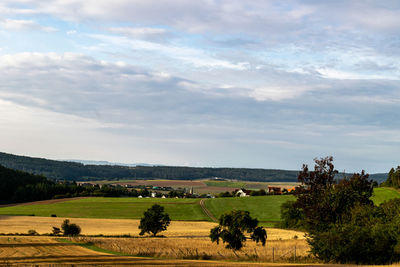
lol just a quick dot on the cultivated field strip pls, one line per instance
(203, 248)
(184, 229)
(46, 251)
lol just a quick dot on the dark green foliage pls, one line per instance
(368, 236)
(260, 192)
(292, 217)
(324, 200)
(70, 229)
(232, 226)
(18, 186)
(56, 231)
(342, 223)
(154, 220)
(64, 170)
(393, 179)
(32, 232)
(11, 181)
(225, 194)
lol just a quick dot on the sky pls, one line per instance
(210, 83)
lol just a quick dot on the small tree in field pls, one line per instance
(154, 220)
(70, 229)
(231, 228)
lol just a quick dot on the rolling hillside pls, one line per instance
(65, 170)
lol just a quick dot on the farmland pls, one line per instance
(187, 242)
(202, 186)
(181, 229)
(112, 208)
(47, 251)
(265, 208)
(383, 194)
(268, 214)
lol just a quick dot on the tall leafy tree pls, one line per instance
(326, 200)
(232, 227)
(342, 222)
(155, 220)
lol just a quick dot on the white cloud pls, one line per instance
(195, 56)
(141, 32)
(23, 25)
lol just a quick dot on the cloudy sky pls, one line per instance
(268, 84)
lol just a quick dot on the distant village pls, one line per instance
(151, 191)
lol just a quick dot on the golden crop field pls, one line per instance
(22, 224)
(203, 248)
(46, 251)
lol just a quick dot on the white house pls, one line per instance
(241, 193)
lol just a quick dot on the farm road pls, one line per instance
(206, 211)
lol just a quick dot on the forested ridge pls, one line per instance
(72, 171)
(65, 170)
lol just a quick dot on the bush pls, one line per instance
(70, 229)
(366, 238)
(32, 232)
(56, 231)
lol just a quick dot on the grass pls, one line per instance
(383, 194)
(112, 208)
(265, 208)
(226, 184)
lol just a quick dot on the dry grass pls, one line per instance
(22, 224)
(27, 247)
(39, 251)
(203, 248)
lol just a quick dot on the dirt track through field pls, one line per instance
(206, 211)
(47, 251)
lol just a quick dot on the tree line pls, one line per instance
(72, 171)
(18, 186)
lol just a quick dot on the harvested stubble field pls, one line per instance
(46, 251)
(22, 224)
(202, 248)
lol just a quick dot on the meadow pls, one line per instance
(265, 208)
(112, 208)
(382, 194)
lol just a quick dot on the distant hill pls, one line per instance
(74, 171)
(103, 162)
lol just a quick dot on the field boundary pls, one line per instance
(206, 211)
(41, 202)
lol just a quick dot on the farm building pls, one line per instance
(275, 190)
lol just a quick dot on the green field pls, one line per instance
(383, 194)
(265, 208)
(226, 184)
(112, 208)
